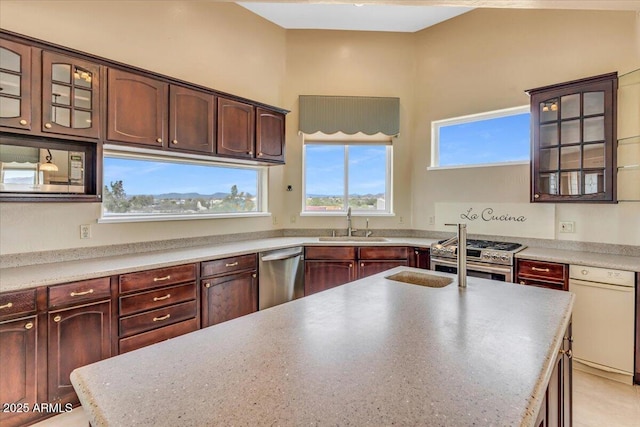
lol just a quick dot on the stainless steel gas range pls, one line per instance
(485, 258)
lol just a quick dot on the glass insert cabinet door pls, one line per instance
(15, 85)
(70, 96)
(573, 140)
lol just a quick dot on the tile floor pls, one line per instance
(597, 402)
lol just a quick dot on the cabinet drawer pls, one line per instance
(157, 318)
(150, 279)
(544, 270)
(330, 252)
(17, 303)
(383, 252)
(541, 283)
(152, 337)
(229, 265)
(79, 292)
(155, 299)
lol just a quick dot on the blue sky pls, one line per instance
(152, 177)
(325, 169)
(488, 141)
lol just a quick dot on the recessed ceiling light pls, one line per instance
(358, 4)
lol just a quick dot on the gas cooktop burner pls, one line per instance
(480, 250)
(488, 244)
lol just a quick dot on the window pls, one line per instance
(150, 187)
(495, 137)
(340, 176)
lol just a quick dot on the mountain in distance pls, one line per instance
(190, 196)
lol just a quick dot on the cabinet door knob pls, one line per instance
(536, 196)
(250, 153)
(28, 326)
(350, 265)
(207, 285)
(47, 125)
(259, 153)
(254, 275)
(23, 122)
(57, 319)
(362, 264)
(174, 142)
(522, 282)
(159, 140)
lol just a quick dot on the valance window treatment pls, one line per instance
(349, 115)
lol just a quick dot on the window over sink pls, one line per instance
(339, 176)
(150, 187)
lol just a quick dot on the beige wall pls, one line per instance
(218, 45)
(484, 60)
(353, 64)
(480, 61)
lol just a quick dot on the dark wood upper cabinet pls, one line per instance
(574, 140)
(137, 109)
(191, 120)
(15, 85)
(70, 96)
(236, 124)
(270, 135)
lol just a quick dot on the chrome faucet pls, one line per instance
(350, 230)
(461, 238)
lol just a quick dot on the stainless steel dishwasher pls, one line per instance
(281, 276)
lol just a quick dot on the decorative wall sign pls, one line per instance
(502, 219)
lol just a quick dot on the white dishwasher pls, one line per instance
(603, 319)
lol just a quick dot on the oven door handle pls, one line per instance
(472, 266)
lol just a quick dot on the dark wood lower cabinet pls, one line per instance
(557, 405)
(368, 268)
(78, 336)
(227, 297)
(18, 370)
(322, 275)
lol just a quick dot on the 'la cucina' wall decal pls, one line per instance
(487, 214)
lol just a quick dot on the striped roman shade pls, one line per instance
(349, 114)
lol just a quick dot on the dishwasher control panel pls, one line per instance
(601, 275)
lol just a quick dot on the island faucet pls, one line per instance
(461, 238)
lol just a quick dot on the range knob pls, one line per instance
(495, 256)
(504, 257)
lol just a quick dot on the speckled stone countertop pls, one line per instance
(371, 352)
(30, 276)
(620, 262)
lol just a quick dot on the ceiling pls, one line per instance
(400, 16)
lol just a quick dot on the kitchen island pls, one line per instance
(374, 351)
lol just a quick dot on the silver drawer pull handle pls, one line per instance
(7, 305)
(546, 270)
(160, 279)
(167, 296)
(233, 264)
(79, 294)
(158, 319)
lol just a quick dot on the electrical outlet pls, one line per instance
(567, 226)
(401, 220)
(432, 220)
(274, 219)
(85, 231)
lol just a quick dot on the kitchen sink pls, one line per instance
(421, 279)
(352, 239)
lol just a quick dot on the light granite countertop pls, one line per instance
(371, 352)
(31, 276)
